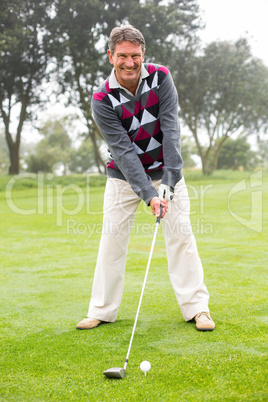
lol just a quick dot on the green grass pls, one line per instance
(47, 265)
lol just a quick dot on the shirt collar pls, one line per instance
(113, 83)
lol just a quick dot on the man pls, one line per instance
(136, 110)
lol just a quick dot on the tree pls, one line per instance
(82, 159)
(74, 36)
(187, 149)
(167, 26)
(23, 64)
(222, 92)
(78, 42)
(3, 154)
(263, 151)
(235, 154)
(53, 150)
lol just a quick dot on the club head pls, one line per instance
(115, 372)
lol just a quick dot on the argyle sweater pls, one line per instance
(142, 131)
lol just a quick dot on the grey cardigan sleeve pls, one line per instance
(170, 127)
(122, 150)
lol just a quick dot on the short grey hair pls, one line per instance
(125, 33)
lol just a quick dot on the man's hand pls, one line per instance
(155, 206)
(166, 192)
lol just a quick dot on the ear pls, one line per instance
(110, 56)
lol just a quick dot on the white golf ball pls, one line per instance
(145, 366)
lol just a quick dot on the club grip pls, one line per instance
(159, 217)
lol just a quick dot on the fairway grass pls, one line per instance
(50, 231)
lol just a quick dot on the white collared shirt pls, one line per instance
(113, 83)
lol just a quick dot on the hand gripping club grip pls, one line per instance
(159, 217)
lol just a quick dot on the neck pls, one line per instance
(133, 89)
(130, 86)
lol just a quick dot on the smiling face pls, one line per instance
(127, 60)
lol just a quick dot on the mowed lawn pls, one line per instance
(50, 230)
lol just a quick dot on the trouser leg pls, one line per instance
(120, 205)
(184, 264)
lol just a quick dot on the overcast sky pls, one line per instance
(233, 19)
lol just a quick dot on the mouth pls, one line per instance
(128, 70)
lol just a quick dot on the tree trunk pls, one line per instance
(14, 167)
(14, 145)
(215, 159)
(206, 168)
(217, 151)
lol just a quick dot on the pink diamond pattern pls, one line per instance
(140, 119)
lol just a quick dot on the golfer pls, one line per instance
(136, 110)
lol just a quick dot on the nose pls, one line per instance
(129, 62)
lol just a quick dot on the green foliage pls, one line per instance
(23, 65)
(263, 150)
(45, 288)
(235, 154)
(78, 35)
(166, 26)
(53, 150)
(82, 159)
(57, 150)
(187, 149)
(222, 91)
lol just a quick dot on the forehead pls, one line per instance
(127, 47)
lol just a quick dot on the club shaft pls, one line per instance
(143, 288)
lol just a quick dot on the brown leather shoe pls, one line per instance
(88, 323)
(204, 322)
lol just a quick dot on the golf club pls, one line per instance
(119, 372)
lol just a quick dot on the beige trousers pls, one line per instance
(184, 265)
